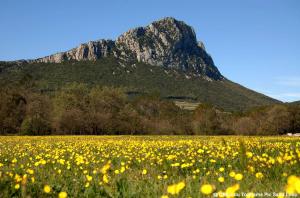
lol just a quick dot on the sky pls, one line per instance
(253, 42)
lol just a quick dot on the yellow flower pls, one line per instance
(43, 162)
(47, 189)
(164, 196)
(251, 169)
(230, 191)
(293, 184)
(144, 172)
(284, 174)
(292, 179)
(259, 175)
(232, 174)
(207, 189)
(221, 179)
(62, 195)
(249, 154)
(89, 178)
(122, 169)
(221, 169)
(18, 178)
(105, 179)
(105, 167)
(30, 171)
(238, 177)
(17, 186)
(176, 188)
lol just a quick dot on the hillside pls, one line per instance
(295, 102)
(137, 78)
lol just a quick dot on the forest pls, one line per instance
(78, 109)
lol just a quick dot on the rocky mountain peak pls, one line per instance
(168, 43)
(162, 38)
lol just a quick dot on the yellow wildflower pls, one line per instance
(17, 186)
(293, 185)
(232, 174)
(105, 167)
(47, 189)
(105, 179)
(144, 172)
(238, 177)
(62, 195)
(176, 188)
(207, 189)
(259, 175)
(221, 179)
(230, 191)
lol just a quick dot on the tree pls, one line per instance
(206, 120)
(294, 112)
(70, 109)
(12, 110)
(276, 121)
(37, 119)
(245, 126)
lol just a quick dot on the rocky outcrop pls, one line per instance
(167, 43)
(92, 50)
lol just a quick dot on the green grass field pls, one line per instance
(148, 166)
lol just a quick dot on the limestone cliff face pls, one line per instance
(88, 51)
(167, 43)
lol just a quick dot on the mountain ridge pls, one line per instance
(163, 57)
(168, 43)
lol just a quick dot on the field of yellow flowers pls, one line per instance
(149, 166)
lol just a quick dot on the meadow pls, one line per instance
(149, 166)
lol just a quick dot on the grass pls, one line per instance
(147, 166)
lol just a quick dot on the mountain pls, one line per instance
(295, 102)
(163, 57)
(168, 43)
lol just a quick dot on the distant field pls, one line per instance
(187, 105)
(148, 166)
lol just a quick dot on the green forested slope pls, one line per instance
(135, 78)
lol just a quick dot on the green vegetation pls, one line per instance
(135, 78)
(78, 109)
(107, 97)
(296, 102)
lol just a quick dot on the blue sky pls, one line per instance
(255, 43)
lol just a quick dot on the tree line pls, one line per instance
(77, 109)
